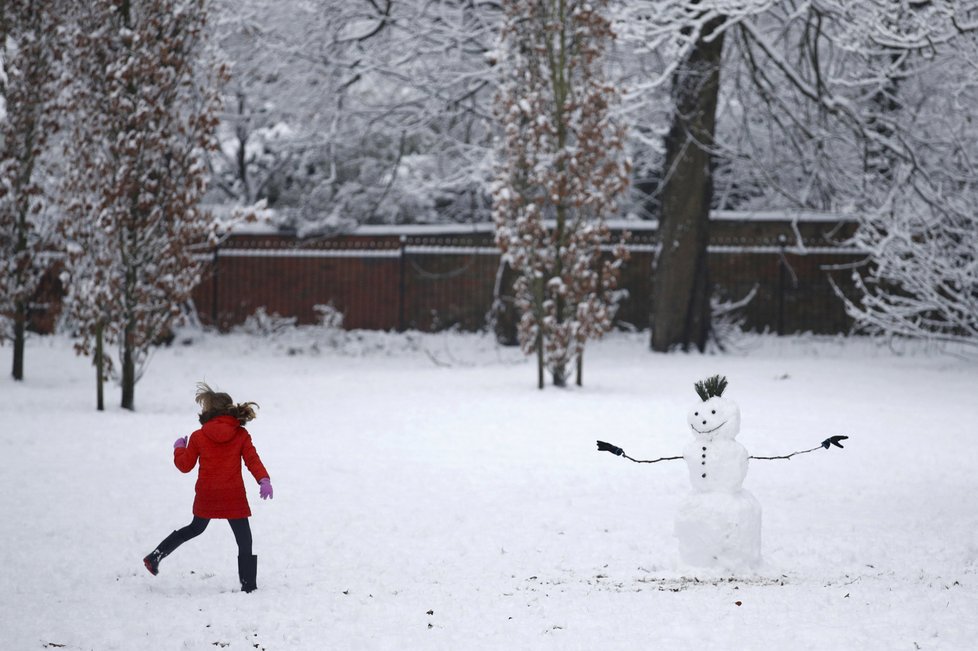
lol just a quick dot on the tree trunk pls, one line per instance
(128, 372)
(680, 285)
(540, 365)
(99, 369)
(580, 369)
(505, 316)
(538, 306)
(880, 162)
(20, 325)
(22, 272)
(560, 375)
(241, 131)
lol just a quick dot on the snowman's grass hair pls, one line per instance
(711, 387)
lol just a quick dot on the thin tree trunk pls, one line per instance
(20, 326)
(680, 285)
(538, 298)
(560, 375)
(560, 84)
(99, 369)
(580, 369)
(22, 272)
(242, 154)
(880, 162)
(540, 383)
(128, 371)
(505, 316)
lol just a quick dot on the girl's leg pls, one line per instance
(171, 542)
(242, 535)
(192, 530)
(247, 562)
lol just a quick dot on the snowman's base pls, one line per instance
(721, 530)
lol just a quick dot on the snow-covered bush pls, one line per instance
(329, 317)
(329, 331)
(286, 333)
(262, 324)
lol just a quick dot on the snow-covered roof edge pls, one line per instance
(615, 224)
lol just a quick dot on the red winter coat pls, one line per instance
(220, 445)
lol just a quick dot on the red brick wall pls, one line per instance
(439, 281)
(430, 279)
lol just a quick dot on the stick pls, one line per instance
(788, 456)
(832, 440)
(614, 449)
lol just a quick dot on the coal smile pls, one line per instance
(708, 431)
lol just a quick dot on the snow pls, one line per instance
(425, 474)
(720, 530)
(633, 225)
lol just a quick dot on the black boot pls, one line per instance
(248, 573)
(164, 549)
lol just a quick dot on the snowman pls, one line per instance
(719, 522)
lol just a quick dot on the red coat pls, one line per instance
(220, 445)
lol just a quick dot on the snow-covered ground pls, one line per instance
(427, 496)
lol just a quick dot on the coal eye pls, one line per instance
(696, 413)
(714, 411)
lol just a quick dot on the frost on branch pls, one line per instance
(894, 142)
(867, 109)
(345, 112)
(922, 279)
(560, 171)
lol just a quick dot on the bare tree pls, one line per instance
(854, 108)
(683, 42)
(681, 288)
(890, 93)
(359, 111)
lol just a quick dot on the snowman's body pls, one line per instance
(715, 466)
(719, 523)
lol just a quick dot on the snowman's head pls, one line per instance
(716, 417)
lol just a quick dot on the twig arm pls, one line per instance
(832, 440)
(787, 456)
(614, 449)
(650, 460)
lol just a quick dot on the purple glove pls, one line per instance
(265, 488)
(180, 443)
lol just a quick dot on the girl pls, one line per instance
(220, 445)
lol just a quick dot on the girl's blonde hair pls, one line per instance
(214, 403)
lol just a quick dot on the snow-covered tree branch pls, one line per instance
(882, 128)
(350, 112)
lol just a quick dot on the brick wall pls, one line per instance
(430, 278)
(437, 277)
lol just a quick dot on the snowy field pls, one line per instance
(427, 496)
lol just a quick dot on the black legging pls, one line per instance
(240, 527)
